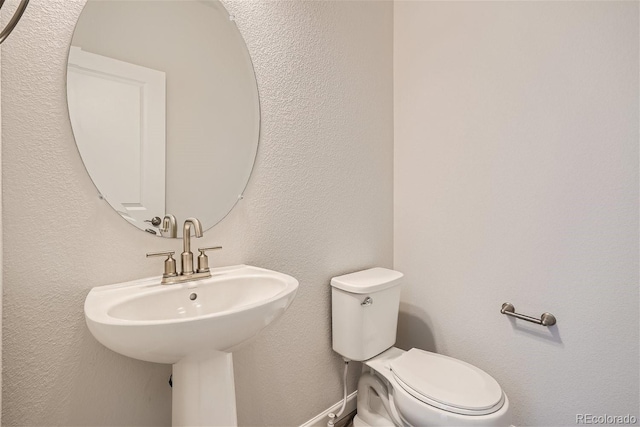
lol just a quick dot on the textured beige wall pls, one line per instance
(1, 241)
(516, 179)
(319, 204)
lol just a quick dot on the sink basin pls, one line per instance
(164, 323)
(194, 326)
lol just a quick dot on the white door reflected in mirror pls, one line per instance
(119, 123)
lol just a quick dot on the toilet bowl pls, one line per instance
(405, 388)
(428, 389)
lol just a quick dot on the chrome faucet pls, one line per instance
(170, 275)
(169, 226)
(187, 255)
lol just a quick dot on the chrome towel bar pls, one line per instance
(546, 319)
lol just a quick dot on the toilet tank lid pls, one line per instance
(367, 281)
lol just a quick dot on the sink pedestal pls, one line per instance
(204, 391)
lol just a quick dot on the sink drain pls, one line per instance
(193, 296)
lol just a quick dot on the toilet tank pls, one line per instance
(364, 312)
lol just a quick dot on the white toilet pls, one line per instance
(405, 388)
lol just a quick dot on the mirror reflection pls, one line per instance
(164, 107)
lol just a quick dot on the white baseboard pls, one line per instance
(321, 419)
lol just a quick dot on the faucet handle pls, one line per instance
(203, 259)
(169, 263)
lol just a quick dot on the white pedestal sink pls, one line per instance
(194, 326)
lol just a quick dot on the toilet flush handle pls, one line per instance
(367, 302)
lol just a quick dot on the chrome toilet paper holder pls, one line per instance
(546, 319)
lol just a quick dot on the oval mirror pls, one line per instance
(164, 107)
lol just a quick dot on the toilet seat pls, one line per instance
(447, 383)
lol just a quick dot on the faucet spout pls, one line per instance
(187, 255)
(186, 232)
(169, 226)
